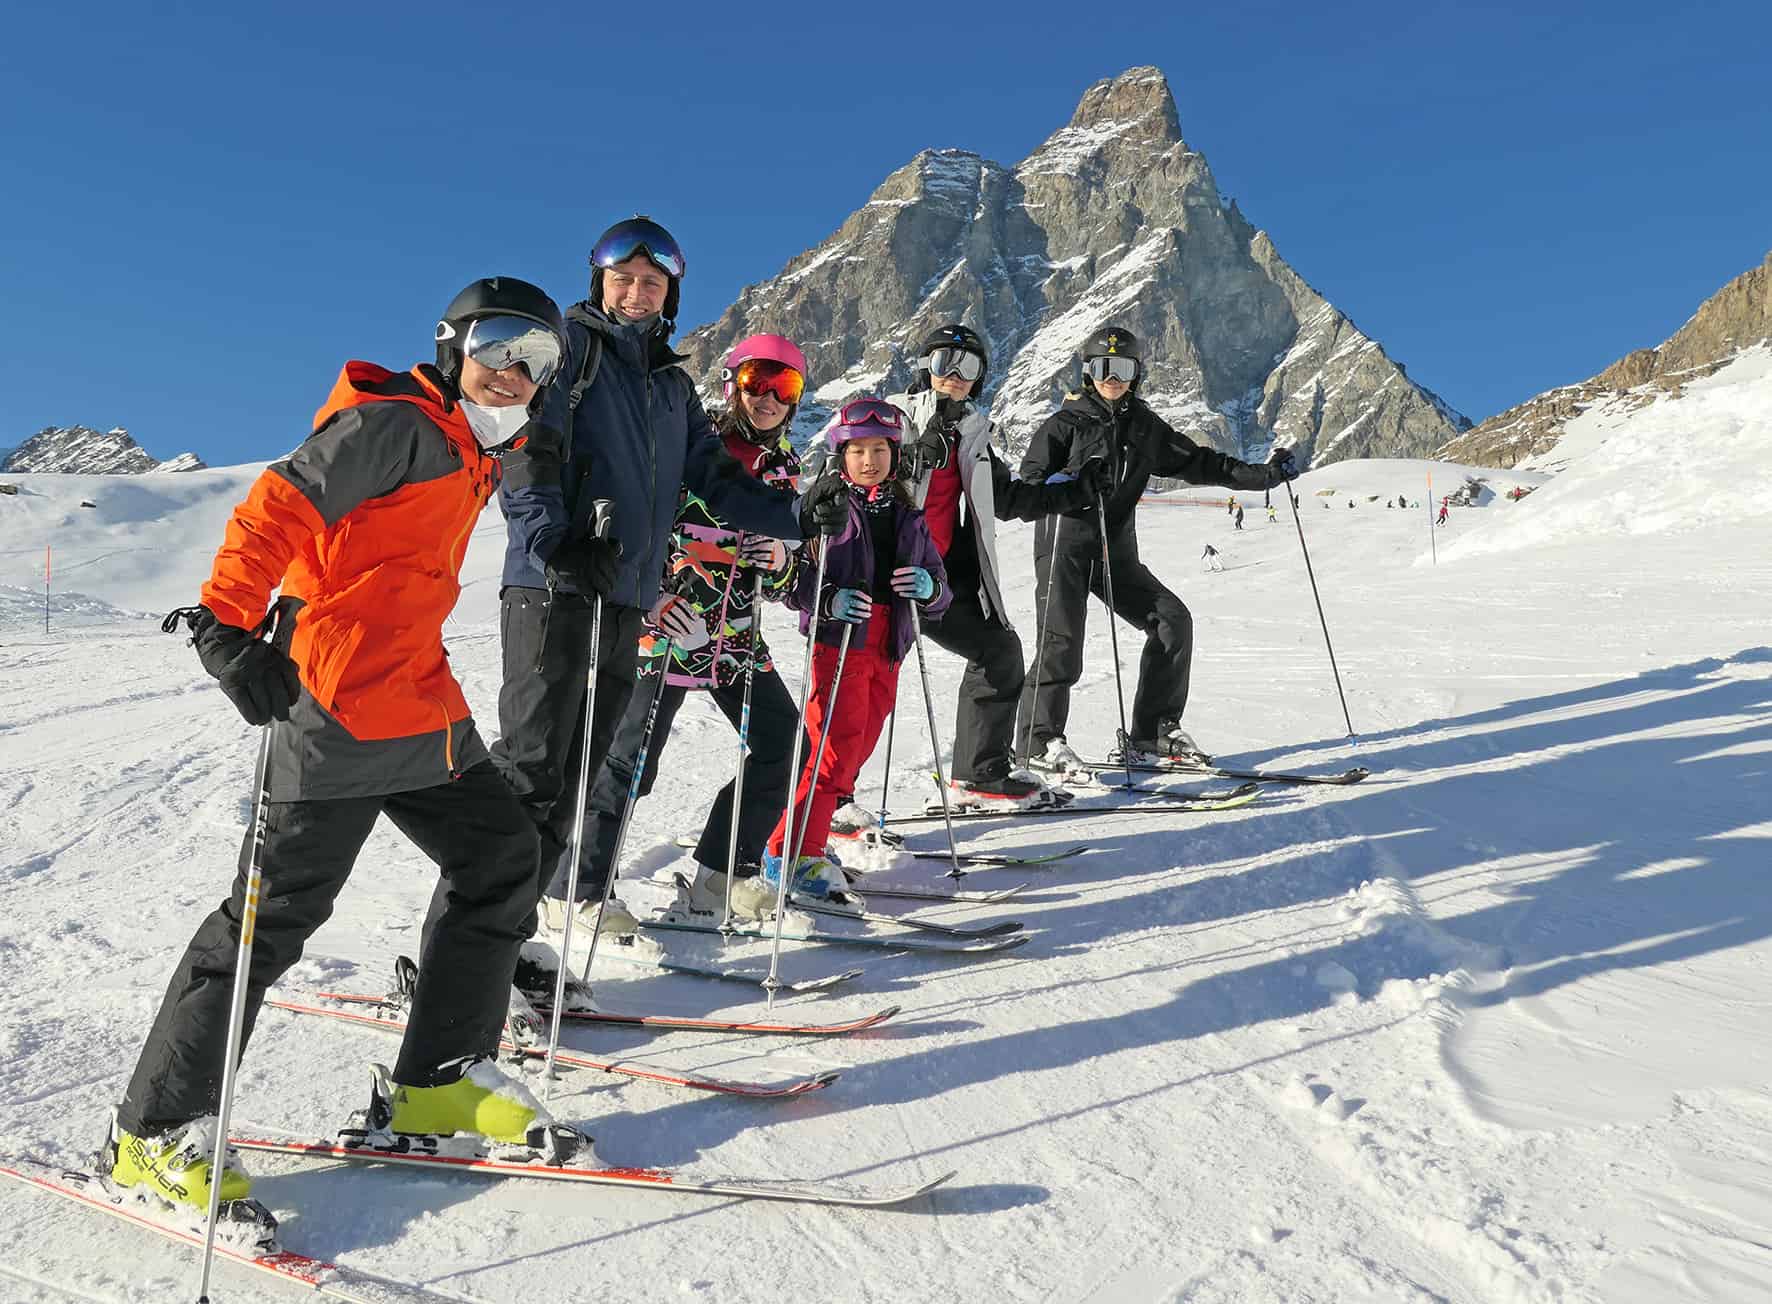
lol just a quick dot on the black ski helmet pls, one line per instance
(1113, 342)
(493, 296)
(642, 232)
(953, 336)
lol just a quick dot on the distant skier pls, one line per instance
(1442, 518)
(1271, 518)
(1239, 517)
(1231, 506)
(1211, 558)
(1108, 421)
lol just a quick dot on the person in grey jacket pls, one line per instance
(621, 421)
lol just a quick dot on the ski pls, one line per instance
(387, 1017)
(668, 1023)
(749, 977)
(987, 858)
(866, 889)
(360, 1146)
(1354, 775)
(318, 1276)
(1002, 928)
(1203, 802)
(765, 931)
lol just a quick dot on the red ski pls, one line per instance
(392, 1021)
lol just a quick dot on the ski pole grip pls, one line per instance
(602, 509)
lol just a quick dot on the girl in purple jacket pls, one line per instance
(881, 563)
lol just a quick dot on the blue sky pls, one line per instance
(209, 207)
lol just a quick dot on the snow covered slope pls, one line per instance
(1488, 1028)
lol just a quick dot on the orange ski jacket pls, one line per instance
(367, 524)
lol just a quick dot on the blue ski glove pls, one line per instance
(913, 582)
(852, 606)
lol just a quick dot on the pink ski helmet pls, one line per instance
(768, 348)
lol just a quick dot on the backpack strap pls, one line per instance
(587, 372)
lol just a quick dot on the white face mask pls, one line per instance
(493, 426)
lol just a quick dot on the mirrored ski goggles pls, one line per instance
(1124, 370)
(762, 376)
(500, 342)
(949, 361)
(640, 235)
(871, 412)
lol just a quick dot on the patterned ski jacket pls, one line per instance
(703, 569)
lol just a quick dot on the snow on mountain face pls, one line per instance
(1734, 319)
(1113, 218)
(1619, 476)
(80, 450)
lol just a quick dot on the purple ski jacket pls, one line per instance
(850, 565)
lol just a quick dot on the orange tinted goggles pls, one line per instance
(761, 376)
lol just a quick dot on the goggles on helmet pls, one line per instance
(639, 235)
(1124, 370)
(500, 342)
(871, 412)
(949, 361)
(765, 376)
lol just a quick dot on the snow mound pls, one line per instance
(1681, 464)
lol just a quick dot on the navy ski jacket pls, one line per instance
(638, 437)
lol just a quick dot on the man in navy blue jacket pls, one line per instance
(621, 421)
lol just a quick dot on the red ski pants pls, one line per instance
(864, 700)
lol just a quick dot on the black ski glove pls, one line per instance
(586, 565)
(1281, 466)
(824, 508)
(929, 451)
(260, 680)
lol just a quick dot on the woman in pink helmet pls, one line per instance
(705, 611)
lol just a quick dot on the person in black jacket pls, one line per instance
(620, 421)
(1107, 422)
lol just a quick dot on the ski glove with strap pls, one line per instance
(852, 606)
(586, 565)
(1282, 466)
(761, 551)
(929, 451)
(260, 680)
(677, 620)
(913, 582)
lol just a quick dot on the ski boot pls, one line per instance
(537, 974)
(486, 1113)
(174, 1165)
(817, 877)
(1061, 759)
(617, 921)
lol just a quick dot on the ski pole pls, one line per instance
(941, 782)
(600, 521)
(744, 748)
(261, 815)
(1296, 520)
(1433, 535)
(772, 983)
(886, 777)
(824, 738)
(1027, 746)
(1107, 593)
(627, 814)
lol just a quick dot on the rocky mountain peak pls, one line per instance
(1138, 99)
(1112, 218)
(1736, 317)
(81, 450)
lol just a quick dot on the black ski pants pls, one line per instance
(541, 708)
(990, 690)
(480, 913)
(774, 717)
(1065, 576)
